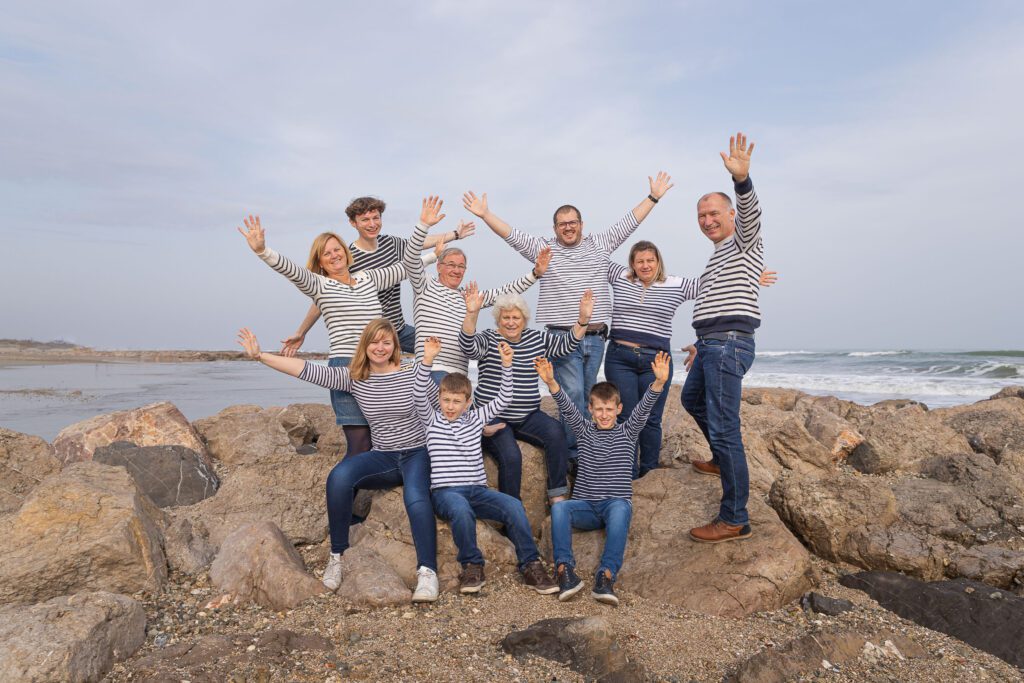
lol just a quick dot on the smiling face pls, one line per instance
(451, 269)
(645, 265)
(568, 228)
(453, 404)
(604, 412)
(368, 224)
(334, 260)
(717, 219)
(511, 322)
(380, 351)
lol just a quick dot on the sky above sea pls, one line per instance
(135, 137)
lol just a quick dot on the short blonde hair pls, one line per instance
(317, 251)
(506, 301)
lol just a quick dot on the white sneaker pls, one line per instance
(332, 574)
(426, 585)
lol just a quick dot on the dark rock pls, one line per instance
(169, 475)
(586, 645)
(960, 608)
(832, 607)
(282, 641)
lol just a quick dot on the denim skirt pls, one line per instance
(346, 410)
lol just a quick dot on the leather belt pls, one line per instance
(602, 331)
(726, 336)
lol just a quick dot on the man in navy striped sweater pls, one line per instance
(725, 315)
(603, 491)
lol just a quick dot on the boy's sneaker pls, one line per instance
(603, 592)
(332, 574)
(537, 578)
(426, 585)
(568, 583)
(471, 580)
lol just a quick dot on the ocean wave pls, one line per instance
(877, 386)
(1005, 354)
(865, 354)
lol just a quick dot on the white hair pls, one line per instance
(506, 301)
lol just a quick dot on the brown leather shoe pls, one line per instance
(707, 467)
(537, 578)
(471, 580)
(719, 532)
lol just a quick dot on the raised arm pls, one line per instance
(321, 375)
(557, 345)
(660, 184)
(478, 207)
(424, 388)
(612, 238)
(463, 232)
(290, 345)
(748, 209)
(638, 418)
(570, 413)
(430, 215)
(303, 278)
(471, 344)
(494, 407)
(519, 286)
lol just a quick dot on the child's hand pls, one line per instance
(586, 307)
(544, 370)
(431, 347)
(506, 354)
(248, 342)
(474, 298)
(660, 367)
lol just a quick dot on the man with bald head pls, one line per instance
(725, 315)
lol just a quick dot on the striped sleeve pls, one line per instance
(748, 210)
(307, 281)
(473, 346)
(571, 414)
(556, 345)
(612, 238)
(615, 271)
(337, 378)
(515, 287)
(527, 245)
(634, 424)
(501, 401)
(424, 393)
(412, 261)
(388, 276)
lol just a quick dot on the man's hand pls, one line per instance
(291, 345)
(506, 354)
(475, 205)
(586, 308)
(253, 234)
(661, 184)
(691, 354)
(248, 341)
(466, 230)
(431, 347)
(542, 263)
(430, 214)
(546, 373)
(439, 248)
(768, 278)
(660, 367)
(474, 298)
(738, 161)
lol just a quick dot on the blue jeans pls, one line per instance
(577, 374)
(711, 394)
(409, 469)
(407, 339)
(346, 410)
(461, 506)
(612, 514)
(438, 375)
(537, 429)
(629, 368)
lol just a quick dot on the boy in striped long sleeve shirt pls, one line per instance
(603, 491)
(458, 483)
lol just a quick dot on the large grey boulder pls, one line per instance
(25, 460)
(169, 475)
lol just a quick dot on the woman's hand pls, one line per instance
(475, 205)
(660, 366)
(691, 354)
(291, 345)
(253, 234)
(248, 341)
(430, 214)
(431, 347)
(586, 308)
(768, 278)
(506, 354)
(542, 263)
(474, 298)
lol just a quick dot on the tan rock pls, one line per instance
(245, 434)
(312, 424)
(991, 427)
(156, 424)
(69, 638)
(902, 439)
(86, 528)
(366, 579)
(25, 460)
(257, 563)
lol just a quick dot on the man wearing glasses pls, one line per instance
(578, 263)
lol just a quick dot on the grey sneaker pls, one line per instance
(426, 585)
(537, 578)
(332, 574)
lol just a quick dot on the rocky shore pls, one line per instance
(888, 546)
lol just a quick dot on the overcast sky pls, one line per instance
(134, 137)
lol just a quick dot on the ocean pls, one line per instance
(43, 399)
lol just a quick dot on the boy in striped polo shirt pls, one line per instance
(603, 490)
(458, 482)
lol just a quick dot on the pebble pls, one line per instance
(161, 640)
(250, 648)
(408, 615)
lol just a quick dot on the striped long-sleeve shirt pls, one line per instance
(643, 315)
(346, 309)
(438, 311)
(728, 295)
(390, 250)
(385, 400)
(605, 466)
(483, 347)
(574, 270)
(455, 455)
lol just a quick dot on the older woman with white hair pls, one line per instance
(523, 418)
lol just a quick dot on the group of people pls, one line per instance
(422, 426)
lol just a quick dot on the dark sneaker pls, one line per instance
(568, 583)
(719, 532)
(603, 588)
(471, 580)
(707, 467)
(537, 578)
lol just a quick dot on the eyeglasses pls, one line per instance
(453, 266)
(567, 224)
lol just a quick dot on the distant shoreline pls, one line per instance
(30, 352)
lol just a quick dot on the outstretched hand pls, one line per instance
(475, 205)
(768, 278)
(430, 214)
(474, 297)
(542, 262)
(545, 370)
(506, 354)
(253, 234)
(466, 230)
(691, 355)
(660, 366)
(660, 184)
(439, 248)
(431, 347)
(586, 307)
(738, 161)
(247, 340)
